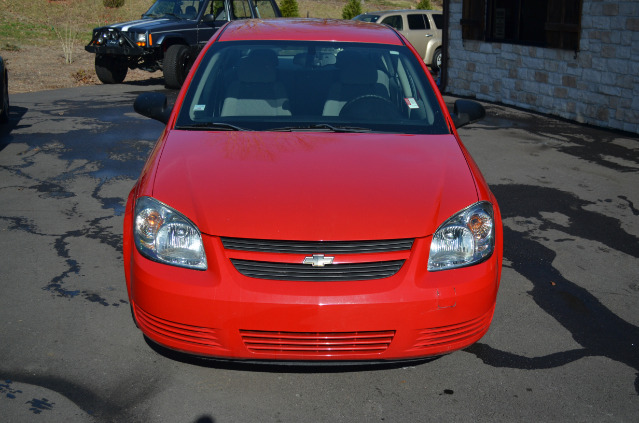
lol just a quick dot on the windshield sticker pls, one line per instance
(199, 107)
(412, 104)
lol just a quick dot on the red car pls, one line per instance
(310, 200)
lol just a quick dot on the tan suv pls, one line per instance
(423, 28)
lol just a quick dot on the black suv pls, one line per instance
(169, 37)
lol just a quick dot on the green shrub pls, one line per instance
(289, 9)
(352, 9)
(424, 5)
(113, 3)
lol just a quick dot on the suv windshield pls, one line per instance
(178, 8)
(311, 86)
(366, 18)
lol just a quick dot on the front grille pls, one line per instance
(317, 344)
(193, 335)
(317, 247)
(304, 272)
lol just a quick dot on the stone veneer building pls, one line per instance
(576, 59)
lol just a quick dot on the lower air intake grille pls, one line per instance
(177, 332)
(304, 272)
(317, 343)
(461, 332)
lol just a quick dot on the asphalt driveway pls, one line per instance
(563, 346)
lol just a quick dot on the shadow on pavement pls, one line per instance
(595, 327)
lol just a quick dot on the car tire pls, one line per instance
(109, 69)
(4, 116)
(177, 63)
(437, 60)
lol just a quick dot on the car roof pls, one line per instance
(304, 29)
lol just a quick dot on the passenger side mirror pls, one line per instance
(153, 105)
(467, 111)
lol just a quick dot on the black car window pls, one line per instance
(177, 8)
(395, 21)
(417, 21)
(438, 18)
(366, 18)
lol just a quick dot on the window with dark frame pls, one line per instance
(395, 21)
(438, 18)
(418, 21)
(544, 23)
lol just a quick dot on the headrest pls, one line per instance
(301, 59)
(258, 67)
(355, 68)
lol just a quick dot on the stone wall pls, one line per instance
(598, 85)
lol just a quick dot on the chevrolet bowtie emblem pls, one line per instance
(318, 260)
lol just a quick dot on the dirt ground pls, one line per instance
(37, 68)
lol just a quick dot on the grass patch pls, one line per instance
(40, 22)
(333, 8)
(20, 32)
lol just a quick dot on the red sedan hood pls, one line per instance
(314, 186)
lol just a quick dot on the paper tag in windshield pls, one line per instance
(412, 104)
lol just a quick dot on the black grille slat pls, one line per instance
(316, 247)
(303, 272)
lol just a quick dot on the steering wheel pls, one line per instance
(369, 106)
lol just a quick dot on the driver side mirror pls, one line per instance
(467, 111)
(153, 105)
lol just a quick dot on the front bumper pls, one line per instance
(112, 41)
(221, 313)
(124, 50)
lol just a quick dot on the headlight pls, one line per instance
(102, 38)
(467, 238)
(141, 40)
(164, 235)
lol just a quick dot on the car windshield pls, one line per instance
(366, 18)
(188, 9)
(311, 86)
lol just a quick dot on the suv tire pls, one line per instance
(437, 60)
(110, 69)
(177, 63)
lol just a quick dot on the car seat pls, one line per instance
(358, 77)
(190, 12)
(257, 92)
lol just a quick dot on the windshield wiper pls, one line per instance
(212, 126)
(322, 127)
